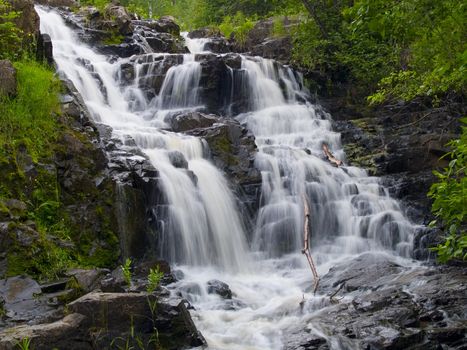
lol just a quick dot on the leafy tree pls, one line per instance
(10, 34)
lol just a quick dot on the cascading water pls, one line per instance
(195, 232)
(350, 211)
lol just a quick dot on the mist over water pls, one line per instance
(203, 234)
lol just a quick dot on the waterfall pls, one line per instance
(202, 225)
(350, 211)
(201, 231)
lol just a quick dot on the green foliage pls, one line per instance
(28, 118)
(24, 344)
(278, 29)
(238, 25)
(154, 279)
(10, 34)
(126, 269)
(450, 200)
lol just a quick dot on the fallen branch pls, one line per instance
(332, 296)
(306, 246)
(330, 156)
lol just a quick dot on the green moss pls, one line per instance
(223, 147)
(75, 226)
(114, 39)
(360, 157)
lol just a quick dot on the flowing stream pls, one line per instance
(204, 235)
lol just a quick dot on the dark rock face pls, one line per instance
(379, 304)
(233, 150)
(206, 32)
(44, 51)
(262, 41)
(7, 78)
(165, 24)
(218, 45)
(28, 19)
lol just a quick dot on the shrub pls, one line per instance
(450, 200)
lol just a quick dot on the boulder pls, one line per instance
(62, 334)
(114, 282)
(121, 18)
(220, 288)
(115, 314)
(7, 79)
(23, 302)
(363, 272)
(178, 159)
(191, 120)
(87, 280)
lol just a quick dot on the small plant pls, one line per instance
(126, 271)
(278, 29)
(154, 279)
(24, 344)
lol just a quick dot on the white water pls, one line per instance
(195, 232)
(351, 212)
(195, 45)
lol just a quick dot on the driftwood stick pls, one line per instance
(306, 246)
(331, 297)
(330, 156)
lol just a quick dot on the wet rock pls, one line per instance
(178, 159)
(191, 120)
(153, 71)
(218, 45)
(22, 300)
(279, 49)
(114, 282)
(206, 32)
(219, 288)
(7, 79)
(123, 50)
(403, 144)
(362, 272)
(165, 24)
(88, 280)
(121, 18)
(44, 50)
(116, 313)
(262, 41)
(63, 334)
(393, 307)
(188, 289)
(233, 150)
